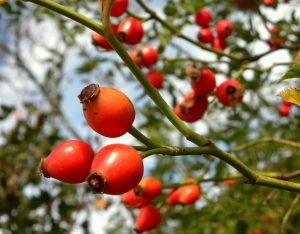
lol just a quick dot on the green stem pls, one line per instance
(65, 11)
(142, 138)
(176, 151)
(264, 140)
(288, 213)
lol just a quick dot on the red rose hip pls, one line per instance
(230, 92)
(147, 219)
(69, 162)
(116, 169)
(107, 111)
(130, 31)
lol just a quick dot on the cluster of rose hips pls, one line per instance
(276, 39)
(216, 36)
(203, 82)
(130, 31)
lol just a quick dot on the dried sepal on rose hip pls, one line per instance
(116, 169)
(230, 93)
(69, 162)
(191, 108)
(107, 111)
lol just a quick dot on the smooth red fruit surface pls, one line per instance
(189, 194)
(131, 200)
(130, 31)
(155, 78)
(203, 18)
(274, 29)
(149, 187)
(205, 83)
(287, 103)
(219, 43)
(107, 111)
(274, 42)
(116, 169)
(205, 35)
(224, 28)
(269, 3)
(149, 55)
(173, 197)
(69, 162)
(147, 219)
(230, 92)
(192, 108)
(284, 110)
(145, 56)
(99, 40)
(118, 8)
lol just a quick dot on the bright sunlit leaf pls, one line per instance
(291, 95)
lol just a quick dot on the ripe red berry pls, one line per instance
(145, 56)
(203, 18)
(274, 42)
(99, 40)
(69, 162)
(130, 31)
(149, 187)
(155, 78)
(205, 83)
(147, 219)
(274, 29)
(119, 7)
(107, 111)
(131, 200)
(116, 169)
(230, 92)
(173, 197)
(269, 3)
(230, 183)
(192, 108)
(284, 110)
(205, 35)
(224, 28)
(188, 194)
(219, 43)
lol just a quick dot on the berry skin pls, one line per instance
(186, 194)
(107, 111)
(205, 35)
(131, 200)
(116, 169)
(203, 18)
(69, 162)
(274, 42)
(189, 194)
(130, 31)
(149, 187)
(205, 82)
(269, 3)
(147, 219)
(284, 110)
(155, 78)
(173, 197)
(230, 92)
(99, 40)
(118, 8)
(145, 56)
(224, 28)
(219, 43)
(230, 183)
(192, 108)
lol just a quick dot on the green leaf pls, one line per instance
(293, 72)
(88, 66)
